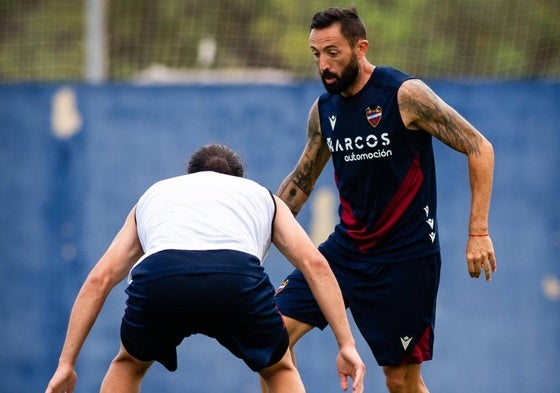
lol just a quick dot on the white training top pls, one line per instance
(205, 211)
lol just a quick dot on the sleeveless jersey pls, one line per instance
(205, 211)
(384, 173)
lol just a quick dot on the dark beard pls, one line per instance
(346, 79)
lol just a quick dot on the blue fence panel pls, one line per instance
(74, 159)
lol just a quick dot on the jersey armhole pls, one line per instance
(273, 214)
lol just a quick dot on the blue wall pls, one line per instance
(74, 159)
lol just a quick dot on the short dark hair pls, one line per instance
(218, 158)
(351, 26)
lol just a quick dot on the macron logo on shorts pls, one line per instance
(405, 341)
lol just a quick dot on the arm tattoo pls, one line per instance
(302, 179)
(439, 119)
(311, 166)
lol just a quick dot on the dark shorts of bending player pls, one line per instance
(393, 304)
(222, 294)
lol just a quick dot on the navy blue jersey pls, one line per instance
(385, 174)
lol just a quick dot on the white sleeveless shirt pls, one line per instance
(205, 211)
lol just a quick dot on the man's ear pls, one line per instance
(361, 48)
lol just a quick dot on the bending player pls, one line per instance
(186, 237)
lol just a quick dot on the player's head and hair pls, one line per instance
(218, 158)
(351, 26)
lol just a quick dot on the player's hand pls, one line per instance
(349, 364)
(480, 256)
(63, 380)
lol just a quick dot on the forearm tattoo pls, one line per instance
(312, 164)
(303, 177)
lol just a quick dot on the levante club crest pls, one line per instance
(374, 116)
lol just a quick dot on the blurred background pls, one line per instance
(101, 98)
(130, 40)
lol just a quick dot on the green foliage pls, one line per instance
(44, 39)
(22, 26)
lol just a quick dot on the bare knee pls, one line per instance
(395, 379)
(284, 365)
(125, 374)
(404, 379)
(125, 360)
(281, 377)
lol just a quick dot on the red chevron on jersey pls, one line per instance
(367, 238)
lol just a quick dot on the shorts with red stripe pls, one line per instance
(393, 304)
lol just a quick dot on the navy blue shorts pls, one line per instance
(393, 304)
(236, 307)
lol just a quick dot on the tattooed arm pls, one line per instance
(422, 109)
(297, 186)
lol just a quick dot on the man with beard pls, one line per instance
(377, 124)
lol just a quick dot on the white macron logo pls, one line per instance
(332, 119)
(405, 341)
(430, 222)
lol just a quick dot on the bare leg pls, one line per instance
(282, 377)
(405, 379)
(296, 330)
(125, 374)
